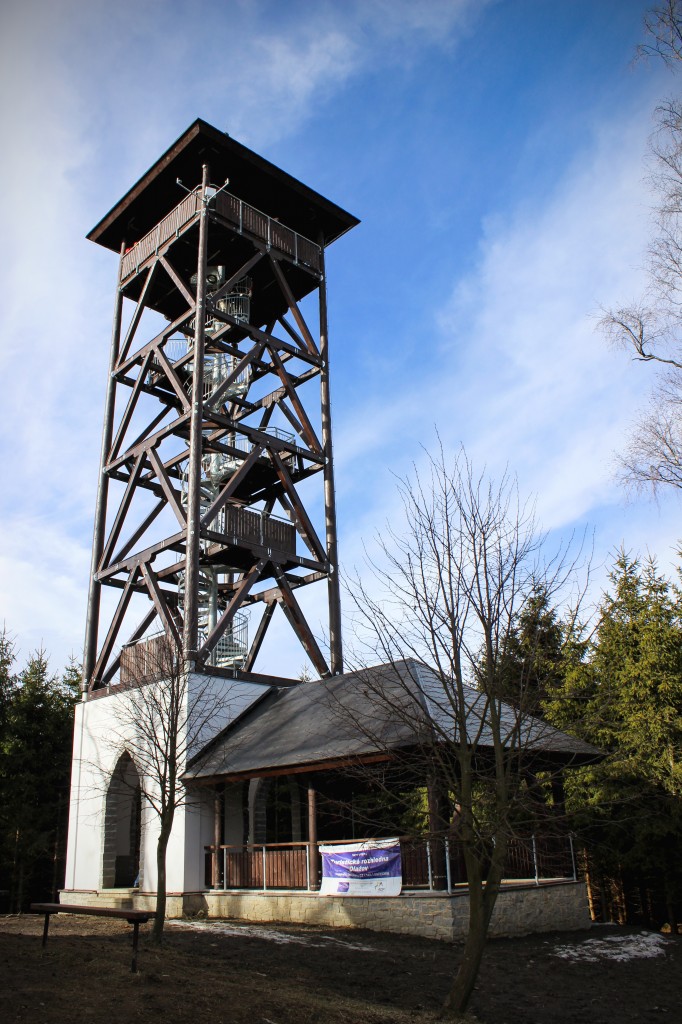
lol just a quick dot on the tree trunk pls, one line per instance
(19, 895)
(160, 913)
(482, 899)
(670, 907)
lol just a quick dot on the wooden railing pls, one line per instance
(172, 224)
(248, 219)
(273, 866)
(434, 864)
(150, 659)
(267, 531)
(244, 218)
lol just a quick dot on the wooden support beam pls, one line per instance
(176, 427)
(115, 625)
(217, 836)
(243, 363)
(133, 638)
(313, 850)
(228, 615)
(257, 641)
(94, 590)
(146, 431)
(256, 334)
(281, 404)
(121, 514)
(245, 268)
(129, 409)
(292, 610)
(292, 333)
(293, 307)
(177, 280)
(170, 493)
(173, 379)
(309, 433)
(192, 550)
(306, 528)
(143, 556)
(231, 485)
(159, 599)
(157, 340)
(137, 315)
(331, 534)
(139, 531)
(273, 594)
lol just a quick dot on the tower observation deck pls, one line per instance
(217, 410)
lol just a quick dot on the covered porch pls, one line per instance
(314, 766)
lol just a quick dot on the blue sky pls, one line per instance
(495, 154)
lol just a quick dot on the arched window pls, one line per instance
(122, 827)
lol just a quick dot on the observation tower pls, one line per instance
(217, 411)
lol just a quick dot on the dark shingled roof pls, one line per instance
(361, 714)
(252, 178)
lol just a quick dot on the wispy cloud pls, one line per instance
(519, 373)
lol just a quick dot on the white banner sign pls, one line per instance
(370, 868)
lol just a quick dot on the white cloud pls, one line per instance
(521, 376)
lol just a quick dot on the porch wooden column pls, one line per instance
(313, 854)
(558, 795)
(438, 823)
(217, 838)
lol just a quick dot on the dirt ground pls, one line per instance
(237, 973)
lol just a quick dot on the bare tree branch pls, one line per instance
(663, 24)
(439, 608)
(161, 717)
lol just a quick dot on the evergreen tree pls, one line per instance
(35, 757)
(625, 696)
(533, 653)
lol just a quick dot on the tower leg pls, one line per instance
(333, 583)
(190, 642)
(92, 621)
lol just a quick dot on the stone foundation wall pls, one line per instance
(518, 911)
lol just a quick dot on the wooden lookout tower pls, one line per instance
(217, 410)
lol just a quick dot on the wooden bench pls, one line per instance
(133, 917)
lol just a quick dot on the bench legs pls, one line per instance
(136, 933)
(136, 929)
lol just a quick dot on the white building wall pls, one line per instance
(103, 730)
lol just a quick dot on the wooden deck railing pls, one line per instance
(433, 864)
(256, 528)
(243, 218)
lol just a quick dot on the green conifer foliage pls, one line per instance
(623, 693)
(36, 716)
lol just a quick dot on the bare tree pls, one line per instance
(439, 610)
(663, 25)
(652, 329)
(163, 715)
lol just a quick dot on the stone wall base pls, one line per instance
(520, 910)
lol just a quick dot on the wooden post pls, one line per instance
(92, 622)
(437, 801)
(190, 643)
(314, 856)
(558, 795)
(217, 838)
(334, 587)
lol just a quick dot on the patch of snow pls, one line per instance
(615, 947)
(269, 934)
